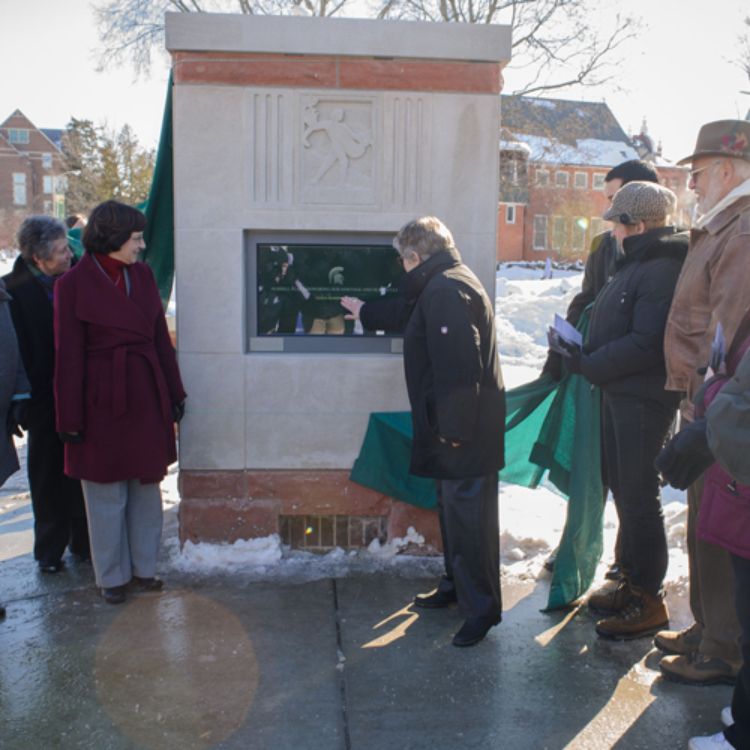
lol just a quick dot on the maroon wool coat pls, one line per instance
(116, 375)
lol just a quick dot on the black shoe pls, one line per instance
(114, 595)
(436, 600)
(51, 568)
(147, 584)
(2, 612)
(614, 573)
(474, 629)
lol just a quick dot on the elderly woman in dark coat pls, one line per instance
(119, 392)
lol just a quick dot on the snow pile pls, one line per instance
(257, 553)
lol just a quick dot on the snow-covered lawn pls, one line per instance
(531, 520)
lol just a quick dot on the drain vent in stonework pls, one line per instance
(328, 532)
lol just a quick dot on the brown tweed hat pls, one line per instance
(641, 201)
(722, 138)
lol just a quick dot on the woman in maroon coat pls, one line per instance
(118, 392)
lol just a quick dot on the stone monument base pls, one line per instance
(315, 510)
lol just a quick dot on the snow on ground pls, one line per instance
(531, 520)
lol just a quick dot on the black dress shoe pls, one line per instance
(474, 629)
(147, 584)
(114, 595)
(436, 600)
(50, 568)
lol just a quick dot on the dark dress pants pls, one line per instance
(471, 543)
(57, 500)
(634, 432)
(738, 735)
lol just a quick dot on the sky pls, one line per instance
(672, 75)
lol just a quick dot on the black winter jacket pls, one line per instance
(624, 351)
(452, 369)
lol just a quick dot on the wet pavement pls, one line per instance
(333, 664)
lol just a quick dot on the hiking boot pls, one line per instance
(698, 669)
(611, 598)
(643, 615)
(614, 572)
(713, 742)
(679, 642)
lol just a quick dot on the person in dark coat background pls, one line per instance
(624, 355)
(59, 513)
(118, 392)
(15, 392)
(457, 402)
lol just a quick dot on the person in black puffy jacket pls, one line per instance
(623, 354)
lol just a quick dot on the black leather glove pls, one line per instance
(15, 421)
(70, 437)
(553, 366)
(178, 411)
(686, 456)
(572, 358)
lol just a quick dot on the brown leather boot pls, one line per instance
(643, 615)
(612, 597)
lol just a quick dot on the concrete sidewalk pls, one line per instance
(334, 664)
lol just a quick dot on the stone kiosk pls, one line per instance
(301, 145)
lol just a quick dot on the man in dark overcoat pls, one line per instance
(457, 401)
(57, 501)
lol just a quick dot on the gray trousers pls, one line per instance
(125, 520)
(471, 543)
(711, 589)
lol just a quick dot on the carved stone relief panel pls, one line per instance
(338, 150)
(407, 138)
(270, 147)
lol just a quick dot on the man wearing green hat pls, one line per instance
(713, 289)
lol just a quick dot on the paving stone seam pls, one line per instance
(342, 665)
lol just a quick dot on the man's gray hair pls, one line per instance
(37, 235)
(425, 236)
(741, 168)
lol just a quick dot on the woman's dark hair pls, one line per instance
(110, 226)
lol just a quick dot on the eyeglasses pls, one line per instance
(695, 172)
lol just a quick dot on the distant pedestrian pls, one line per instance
(624, 355)
(57, 501)
(458, 412)
(119, 394)
(713, 288)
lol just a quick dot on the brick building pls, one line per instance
(554, 155)
(31, 174)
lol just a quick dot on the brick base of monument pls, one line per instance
(309, 509)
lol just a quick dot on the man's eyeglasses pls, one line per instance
(695, 172)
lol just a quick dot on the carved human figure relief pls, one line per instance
(342, 145)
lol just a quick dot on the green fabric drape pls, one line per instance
(551, 429)
(159, 232)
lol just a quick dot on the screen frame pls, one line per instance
(388, 344)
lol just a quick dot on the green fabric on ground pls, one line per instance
(551, 428)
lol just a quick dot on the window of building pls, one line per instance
(581, 181)
(48, 207)
(598, 181)
(18, 135)
(578, 238)
(510, 214)
(542, 177)
(539, 241)
(561, 179)
(48, 180)
(559, 232)
(19, 188)
(47, 161)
